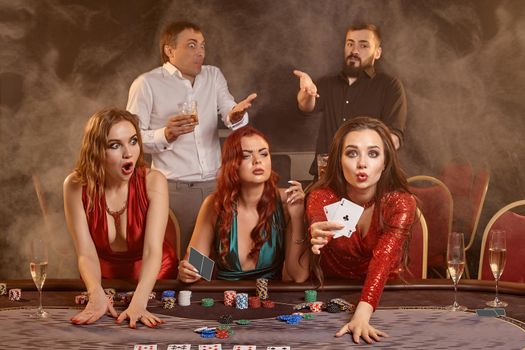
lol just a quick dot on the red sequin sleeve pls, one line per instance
(316, 202)
(398, 212)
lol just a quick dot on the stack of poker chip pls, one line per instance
(168, 302)
(168, 294)
(15, 294)
(152, 296)
(310, 296)
(185, 298)
(207, 302)
(316, 306)
(241, 301)
(261, 284)
(229, 297)
(254, 302)
(208, 332)
(3, 289)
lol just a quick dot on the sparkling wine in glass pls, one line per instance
(497, 255)
(456, 264)
(38, 267)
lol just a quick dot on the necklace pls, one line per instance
(116, 215)
(366, 204)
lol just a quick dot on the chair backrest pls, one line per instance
(282, 165)
(418, 247)
(173, 233)
(468, 189)
(436, 204)
(514, 226)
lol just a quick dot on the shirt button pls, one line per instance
(344, 119)
(347, 102)
(165, 148)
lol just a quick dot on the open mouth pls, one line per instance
(127, 168)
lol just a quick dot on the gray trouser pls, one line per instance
(185, 201)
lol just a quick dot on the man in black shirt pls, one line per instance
(358, 90)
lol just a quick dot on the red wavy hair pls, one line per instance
(228, 190)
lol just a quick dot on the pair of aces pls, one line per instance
(344, 212)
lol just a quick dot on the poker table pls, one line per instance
(411, 312)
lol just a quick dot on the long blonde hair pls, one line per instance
(90, 169)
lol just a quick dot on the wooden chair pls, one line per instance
(418, 248)
(437, 205)
(468, 189)
(514, 225)
(173, 233)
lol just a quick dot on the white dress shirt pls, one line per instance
(154, 96)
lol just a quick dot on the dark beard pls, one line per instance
(352, 71)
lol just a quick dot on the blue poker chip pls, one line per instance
(168, 294)
(208, 335)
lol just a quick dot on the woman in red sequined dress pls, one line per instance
(117, 212)
(362, 167)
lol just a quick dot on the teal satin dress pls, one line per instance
(271, 256)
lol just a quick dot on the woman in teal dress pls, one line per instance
(249, 226)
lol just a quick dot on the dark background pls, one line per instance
(60, 61)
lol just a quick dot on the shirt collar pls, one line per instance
(172, 70)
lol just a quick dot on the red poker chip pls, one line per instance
(268, 304)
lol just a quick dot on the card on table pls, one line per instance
(348, 214)
(145, 347)
(244, 347)
(202, 263)
(179, 347)
(487, 312)
(210, 347)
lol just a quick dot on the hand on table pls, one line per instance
(321, 233)
(187, 272)
(360, 327)
(136, 313)
(97, 306)
(179, 125)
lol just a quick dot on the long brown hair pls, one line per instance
(90, 170)
(393, 177)
(228, 190)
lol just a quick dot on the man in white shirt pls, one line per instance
(185, 150)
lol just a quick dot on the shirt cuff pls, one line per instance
(239, 124)
(159, 138)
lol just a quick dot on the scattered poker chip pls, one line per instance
(308, 316)
(243, 322)
(343, 304)
(203, 329)
(301, 306)
(222, 334)
(207, 302)
(332, 308)
(290, 319)
(208, 335)
(226, 319)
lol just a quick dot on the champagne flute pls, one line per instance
(38, 266)
(498, 252)
(456, 264)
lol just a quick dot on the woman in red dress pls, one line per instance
(362, 167)
(116, 211)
